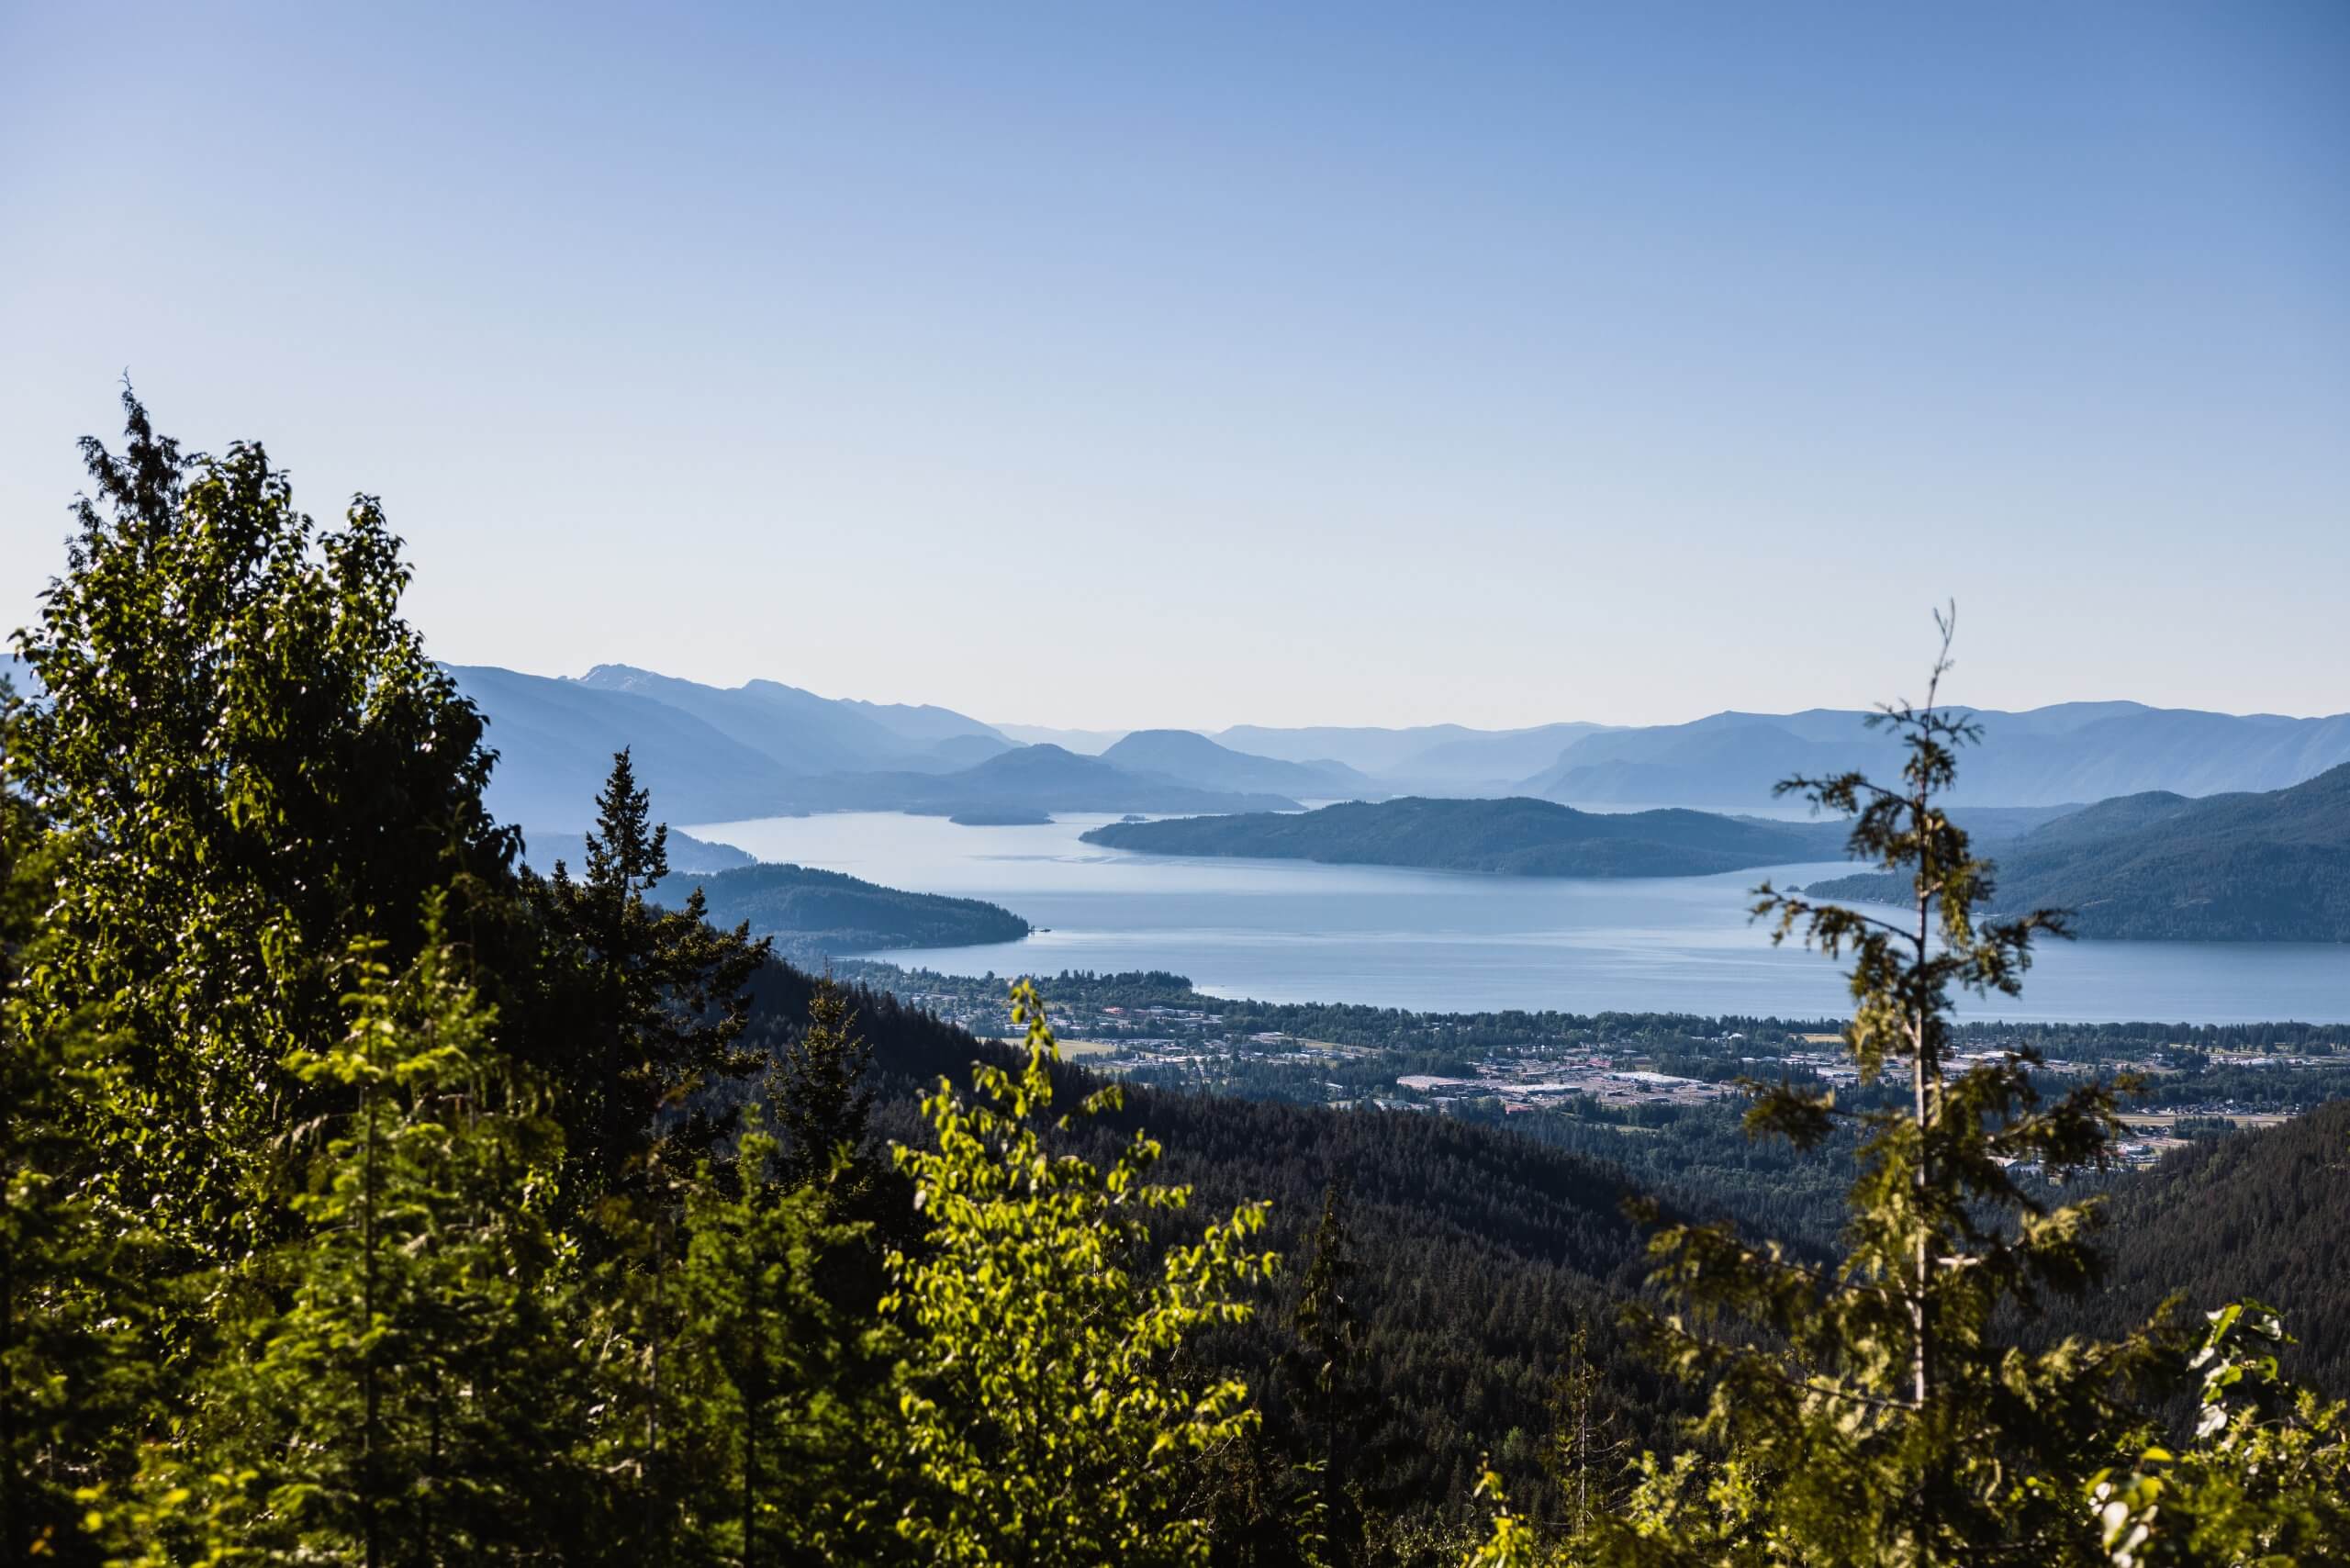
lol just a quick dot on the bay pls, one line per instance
(1295, 931)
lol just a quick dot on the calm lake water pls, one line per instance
(1292, 931)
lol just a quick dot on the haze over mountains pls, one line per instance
(1183, 754)
(713, 754)
(2071, 752)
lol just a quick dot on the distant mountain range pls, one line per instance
(1196, 761)
(1515, 836)
(2075, 751)
(817, 914)
(712, 753)
(2068, 753)
(2263, 867)
(1426, 758)
(1029, 779)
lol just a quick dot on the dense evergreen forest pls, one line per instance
(2247, 1213)
(368, 1198)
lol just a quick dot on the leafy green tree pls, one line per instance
(1041, 1423)
(2265, 1480)
(653, 1001)
(249, 762)
(419, 1399)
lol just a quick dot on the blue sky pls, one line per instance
(1197, 364)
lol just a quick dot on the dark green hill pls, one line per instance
(2272, 867)
(2265, 1215)
(813, 913)
(1518, 836)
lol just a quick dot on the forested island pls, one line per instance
(1516, 837)
(819, 913)
(2261, 866)
(1000, 816)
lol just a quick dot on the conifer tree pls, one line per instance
(1585, 1452)
(1040, 1422)
(655, 998)
(1886, 1411)
(1325, 1322)
(822, 1104)
(1886, 1414)
(418, 1398)
(769, 1409)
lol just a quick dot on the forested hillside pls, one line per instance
(2263, 1214)
(1516, 837)
(2245, 867)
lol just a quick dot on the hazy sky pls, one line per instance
(1191, 364)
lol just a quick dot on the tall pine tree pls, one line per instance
(653, 1000)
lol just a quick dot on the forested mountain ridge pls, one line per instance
(713, 755)
(2271, 867)
(1431, 759)
(1515, 836)
(713, 748)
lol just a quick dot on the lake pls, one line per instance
(1295, 931)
